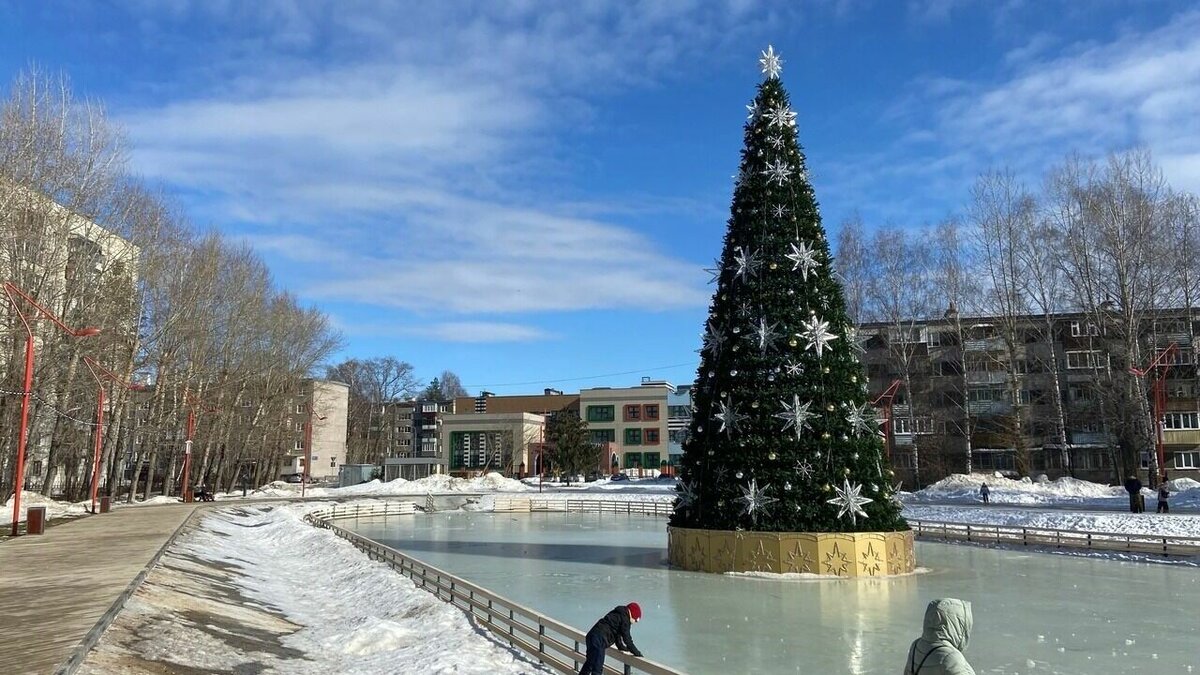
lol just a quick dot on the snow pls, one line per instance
(1062, 492)
(54, 509)
(353, 615)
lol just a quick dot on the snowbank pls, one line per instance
(1116, 523)
(1066, 491)
(54, 509)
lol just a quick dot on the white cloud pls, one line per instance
(480, 331)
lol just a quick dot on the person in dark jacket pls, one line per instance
(1164, 494)
(612, 629)
(944, 637)
(1134, 487)
(984, 492)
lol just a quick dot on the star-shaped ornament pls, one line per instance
(780, 211)
(818, 335)
(776, 142)
(755, 499)
(805, 469)
(781, 117)
(794, 368)
(849, 501)
(686, 494)
(856, 340)
(796, 416)
(771, 64)
(864, 419)
(804, 259)
(764, 334)
(714, 339)
(729, 417)
(747, 263)
(752, 111)
(777, 172)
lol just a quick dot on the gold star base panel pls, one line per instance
(849, 554)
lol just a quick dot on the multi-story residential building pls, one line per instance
(411, 435)
(1025, 399)
(679, 416)
(326, 404)
(629, 424)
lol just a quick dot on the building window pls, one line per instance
(679, 412)
(35, 467)
(1181, 420)
(650, 411)
(1088, 359)
(651, 436)
(333, 462)
(1187, 460)
(924, 425)
(633, 413)
(601, 436)
(301, 408)
(299, 445)
(600, 413)
(1080, 393)
(633, 460)
(633, 437)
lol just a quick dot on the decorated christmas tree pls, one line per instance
(783, 437)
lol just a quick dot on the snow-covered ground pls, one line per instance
(964, 489)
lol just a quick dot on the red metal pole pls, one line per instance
(19, 474)
(187, 456)
(96, 454)
(1160, 406)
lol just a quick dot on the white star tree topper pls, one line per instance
(849, 501)
(818, 335)
(796, 416)
(771, 63)
(804, 259)
(755, 499)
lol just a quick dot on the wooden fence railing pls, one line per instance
(550, 642)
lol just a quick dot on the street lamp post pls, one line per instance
(10, 289)
(98, 370)
(192, 402)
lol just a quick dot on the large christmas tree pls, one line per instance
(783, 437)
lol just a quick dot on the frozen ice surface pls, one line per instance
(1034, 613)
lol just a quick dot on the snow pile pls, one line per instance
(959, 488)
(54, 509)
(1116, 523)
(356, 615)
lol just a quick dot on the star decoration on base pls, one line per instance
(755, 499)
(849, 501)
(772, 65)
(777, 172)
(729, 417)
(796, 416)
(818, 335)
(803, 259)
(863, 419)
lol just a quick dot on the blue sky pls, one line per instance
(526, 192)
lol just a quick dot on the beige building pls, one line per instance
(478, 443)
(629, 423)
(329, 403)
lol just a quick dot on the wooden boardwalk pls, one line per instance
(55, 587)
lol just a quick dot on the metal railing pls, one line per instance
(550, 642)
(1157, 544)
(659, 508)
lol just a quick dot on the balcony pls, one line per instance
(989, 407)
(987, 377)
(991, 344)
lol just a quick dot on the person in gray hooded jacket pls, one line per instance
(939, 650)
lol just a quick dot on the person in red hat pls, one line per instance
(611, 629)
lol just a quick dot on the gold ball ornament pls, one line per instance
(829, 407)
(773, 266)
(771, 456)
(823, 370)
(825, 487)
(792, 342)
(754, 404)
(854, 378)
(845, 472)
(825, 435)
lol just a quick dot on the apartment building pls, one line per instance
(970, 378)
(630, 424)
(410, 432)
(326, 404)
(679, 418)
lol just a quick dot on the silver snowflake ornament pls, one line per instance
(729, 417)
(747, 263)
(714, 339)
(755, 499)
(780, 211)
(782, 117)
(856, 340)
(777, 172)
(764, 334)
(776, 142)
(805, 469)
(771, 64)
(896, 488)
(796, 416)
(804, 259)
(818, 335)
(849, 501)
(794, 368)
(864, 419)
(752, 111)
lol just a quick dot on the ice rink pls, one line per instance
(1034, 612)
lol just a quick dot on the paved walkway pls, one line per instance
(55, 587)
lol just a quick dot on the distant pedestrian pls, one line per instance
(984, 493)
(1134, 487)
(1164, 493)
(612, 629)
(939, 650)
